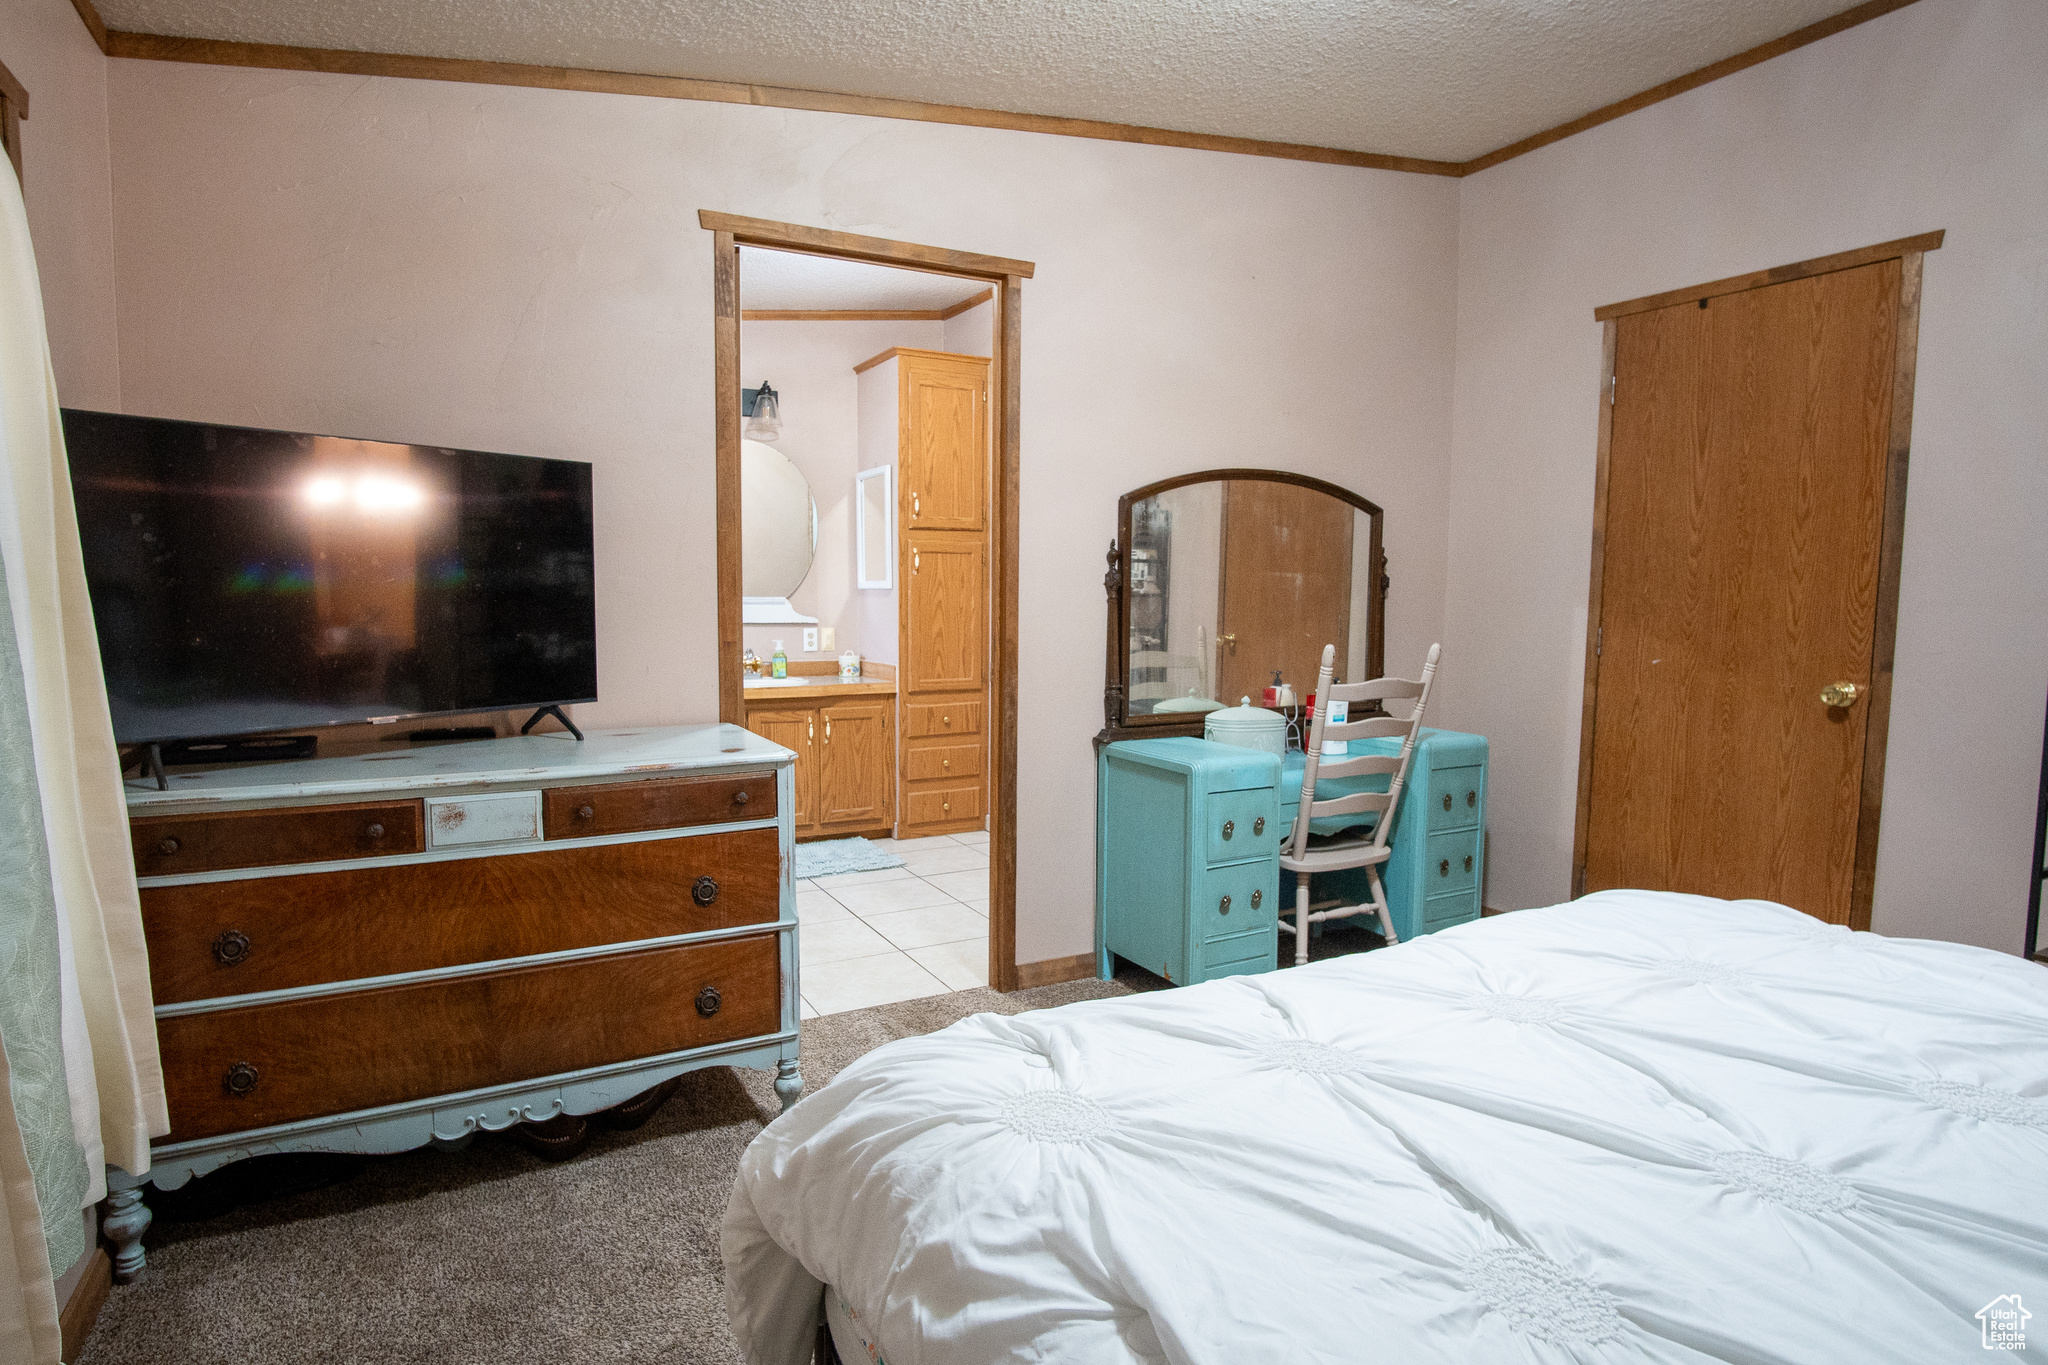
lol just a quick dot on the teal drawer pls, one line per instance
(1452, 863)
(1240, 954)
(1454, 798)
(1241, 825)
(1236, 899)
(1441, 912)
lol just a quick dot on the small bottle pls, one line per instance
(778, 662)
(849, 667)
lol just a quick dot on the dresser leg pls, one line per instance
(789, 1083)
(127, 1218)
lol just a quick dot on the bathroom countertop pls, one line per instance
(815, 687)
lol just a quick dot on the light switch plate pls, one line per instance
(810, 639)
(828, 638)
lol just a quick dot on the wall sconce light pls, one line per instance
(763, 409)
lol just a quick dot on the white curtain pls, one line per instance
(107, 1031)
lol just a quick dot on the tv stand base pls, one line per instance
(559, 714)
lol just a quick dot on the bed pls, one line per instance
(1638, 1127)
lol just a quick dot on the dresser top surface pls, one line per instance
(520, 760)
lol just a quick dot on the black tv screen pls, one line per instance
(246, 581)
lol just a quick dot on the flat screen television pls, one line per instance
(245, 581)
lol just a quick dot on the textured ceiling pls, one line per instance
(788, 279)
(1440, 79)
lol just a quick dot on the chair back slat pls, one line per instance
(1367, 765)
(1407, 730)
(1354, 804)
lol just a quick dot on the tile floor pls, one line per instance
(873, 938)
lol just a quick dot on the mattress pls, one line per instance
(1637, 1127)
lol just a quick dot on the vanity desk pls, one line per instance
(843, 733)
(378, 952)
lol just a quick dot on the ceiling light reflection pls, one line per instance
(370, 494)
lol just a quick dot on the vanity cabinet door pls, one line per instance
(945, 614)
(943, 442)
(856, 763)
(797, 731)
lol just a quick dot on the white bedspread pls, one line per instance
(1633, 1128)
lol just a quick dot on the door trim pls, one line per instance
(1909, 252)
(729, 232)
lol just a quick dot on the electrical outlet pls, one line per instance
(828, 638)
(810, 639)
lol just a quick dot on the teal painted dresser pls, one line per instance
(1187, 858)
(1433, 881)
(1188, 832)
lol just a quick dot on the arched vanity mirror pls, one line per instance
(778, 533)
(1219, 580)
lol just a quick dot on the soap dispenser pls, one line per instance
(778, 662)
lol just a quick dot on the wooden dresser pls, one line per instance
(374, 953)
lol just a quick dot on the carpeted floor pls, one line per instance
(489, 1254)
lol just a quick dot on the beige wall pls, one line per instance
(66, 183)
(1932, 117)
(522, 270)
(811, 366)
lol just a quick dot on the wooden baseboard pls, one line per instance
(88, 1296)
(1054, 970)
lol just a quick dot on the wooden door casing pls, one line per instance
(856, 764)
(942, 441)
(1282, 597)
(795, 729)
(1745, 510)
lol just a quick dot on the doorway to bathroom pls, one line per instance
(866, 413)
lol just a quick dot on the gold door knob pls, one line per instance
(1230, 640)
(1840, 694)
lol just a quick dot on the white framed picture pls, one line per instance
(874, 528)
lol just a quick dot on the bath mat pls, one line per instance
(830, 856)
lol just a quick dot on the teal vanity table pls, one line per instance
(1220, 583)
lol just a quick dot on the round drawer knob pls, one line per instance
(374, 831)
(586, 813)
(231, 949)
(1259, 825)
(704, 891)
(946, 806)
(1468, 862)
(1229, 828)
(708, 1001)
(739, 798)
(1443, 869)
(1225, 907)
(1447, 800)
(240, 1080)
(168, 847)
(945, 765)
(1257, 897)
(945, 720)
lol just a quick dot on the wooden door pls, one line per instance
(1740, 577)
(1286, 586)
(796, 730)
(942, 421)
(945, 613)
(856, 763)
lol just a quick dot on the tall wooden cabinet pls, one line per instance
(942, 482)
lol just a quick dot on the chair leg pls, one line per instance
(1300, 919)
(1379, 901)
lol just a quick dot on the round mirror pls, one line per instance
(778, 522)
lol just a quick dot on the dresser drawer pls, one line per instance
(1454, 798)
(338, 1053)
(1456, 907)
(1236, 899)
(1242, 824)
(270, 933)
(942, 805)
(941, 718)
(1452, 863)
(656, 803)
(1240, 954)
(941, 761)
(166, 845)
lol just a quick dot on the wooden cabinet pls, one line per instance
(360, 955)
(944, 632)
(845, 761)
(942, 409)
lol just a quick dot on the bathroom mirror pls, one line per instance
(1218, 581)
(778, 524)
(874, 537)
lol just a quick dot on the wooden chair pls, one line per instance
(1341, 853)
